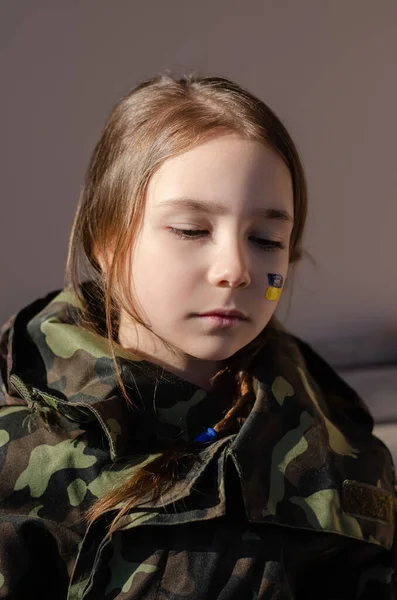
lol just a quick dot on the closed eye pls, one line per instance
(193, 234)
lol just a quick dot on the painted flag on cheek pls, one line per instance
(275, 286)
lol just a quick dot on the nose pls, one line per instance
(230, 266)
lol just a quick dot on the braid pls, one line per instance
(160, 474)
(241, 407)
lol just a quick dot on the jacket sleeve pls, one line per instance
(346, 570)
(31, 561)
(375, 572)
(37, 548)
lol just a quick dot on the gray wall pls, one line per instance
(327, 69)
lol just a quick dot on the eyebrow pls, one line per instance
(215, 208)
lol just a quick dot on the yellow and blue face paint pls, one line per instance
(275, 286)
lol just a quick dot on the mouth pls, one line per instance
(225, 314)
(221, 320)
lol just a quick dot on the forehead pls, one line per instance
(225, 173)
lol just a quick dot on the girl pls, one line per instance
(162, 435)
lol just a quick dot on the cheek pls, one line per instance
(157, 276)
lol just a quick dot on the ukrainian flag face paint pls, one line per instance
(275, 286)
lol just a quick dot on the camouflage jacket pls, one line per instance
(299, 504)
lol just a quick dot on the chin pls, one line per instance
(215, 355)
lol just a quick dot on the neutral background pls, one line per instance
(328, 69)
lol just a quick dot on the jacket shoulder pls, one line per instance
(39, 463)
(343, 402)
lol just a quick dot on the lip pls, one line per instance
(220, 321)
(219, 312)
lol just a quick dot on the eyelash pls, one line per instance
(184, 234)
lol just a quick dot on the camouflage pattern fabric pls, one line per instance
(299, 504)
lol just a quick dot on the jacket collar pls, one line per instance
(305, 456)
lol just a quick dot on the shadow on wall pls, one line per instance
(354, 351)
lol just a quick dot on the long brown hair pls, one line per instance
(159, 119)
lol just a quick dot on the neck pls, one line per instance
(196, 371)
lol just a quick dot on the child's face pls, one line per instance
(175, 278)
